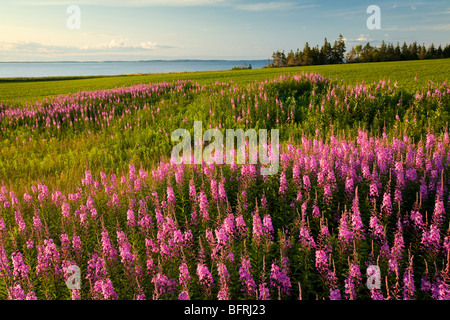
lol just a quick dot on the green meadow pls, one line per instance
(21, 91)
(60, 156)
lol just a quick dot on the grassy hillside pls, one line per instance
(21, 91)
(86, 181)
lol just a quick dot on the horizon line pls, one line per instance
(146, 60)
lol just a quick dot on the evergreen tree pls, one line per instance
(405, 55)
(422, 51)
(397, 52)
(325, 53)
(351, 56)
(339, 50)
(382, 51)
(291, 61)
(390, 52)
(307, 58)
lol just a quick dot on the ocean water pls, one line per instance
(67, 69)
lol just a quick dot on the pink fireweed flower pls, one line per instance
(214, 190)
(349, 187)
(345, 233)
(417, 219)
(306, 183)
(204, 276)
(431, 238)
(65, 210)
(203, 205)
(306, 239)
(192, 191)
(65, 246)
(184, 276)
(264, 202)
(267, 227)
(170, 197)
(322, 262)
(95, 268)
(245, 275)
(283, 185)
(373, 190)
(109, 252)
(224, 277)
(264, 293)
(386, 206)
(376, 294)
(131, 219)
(335, 294)
(357, 225)
(20, 222)
(77, 245)
(280, 279)
(27, 198)
(376, 229)
(229, 225)
(30, 244)
(257, 229)
(222, 193)
(104, 290)
(327, 194)
(352, 281)
(127, 257)
(439, 211)
(315, 211)
(16, 293)
(184, 295)
(241, 226)
(21, 270)
(48, 259)
(408, 282)
(399, 244)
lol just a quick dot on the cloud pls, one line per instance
(113, 46)
(438, 27)
(272, 6)
(441, 27)
(363, 38)
(265, 6)
(148, 45)
(236, 4)
(122, 3)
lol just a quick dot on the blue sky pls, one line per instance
(36, 30)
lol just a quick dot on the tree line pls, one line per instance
(327, 54)
(335, 54)
(389, 52)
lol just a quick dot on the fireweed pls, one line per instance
(206, 230)
(193, 233)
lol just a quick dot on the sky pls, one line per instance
(44, 30)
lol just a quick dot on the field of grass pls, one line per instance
(364, 170)
(21, 91)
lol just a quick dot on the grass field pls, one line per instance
(13, 91)
(86, 181)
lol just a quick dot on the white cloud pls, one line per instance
(437, 27)
(266, 6)
(122, 3)
(148, 45)
(441, 27)
(364, 37)
(272, 6)
(120, 45)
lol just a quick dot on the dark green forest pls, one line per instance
(336, 53)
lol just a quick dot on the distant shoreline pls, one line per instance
(39, 69)
(138, 61)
